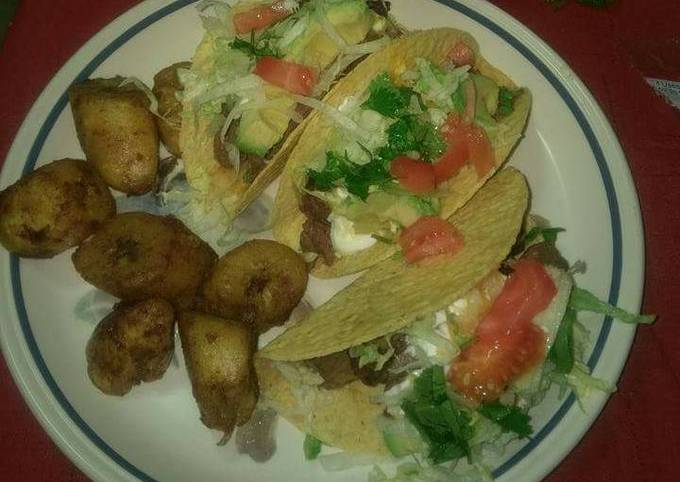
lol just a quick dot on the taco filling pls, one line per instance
(259, 69)
(440, 362)
(414, 133)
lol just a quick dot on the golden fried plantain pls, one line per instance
(261, 281)
(139, 255)
(219, 359)
(117, 132)
(166, 85)
(133, 344)
(53, 208)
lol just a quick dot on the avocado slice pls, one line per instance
(486, 99)
(260, 129)
(351, 19)
(381, 207)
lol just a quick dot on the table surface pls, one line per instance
(637, 437)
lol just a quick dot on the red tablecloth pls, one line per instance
(637, 438)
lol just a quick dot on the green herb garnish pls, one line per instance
(446, 428)
(410, 133)
(510, 418)
(257, 47)
(506, 102)
(386, 98)
(311, 447)
(358, 178)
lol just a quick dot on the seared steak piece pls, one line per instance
(336, 369)
(371, 377)
(316, 231)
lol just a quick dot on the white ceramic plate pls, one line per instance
(579, 179)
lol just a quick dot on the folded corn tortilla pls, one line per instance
(400, 55)
(388, 297)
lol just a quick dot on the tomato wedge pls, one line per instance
(452, 161)
(507, 344)
(467, 142)
(260, 17)
(461, 54)
(415, 176)
(295, 78)
(429, 236)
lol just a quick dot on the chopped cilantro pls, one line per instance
(509, 418)
(386, 98)
(506, 102)
(562, 351)
(256, 47)
(446, 428)
(311, 447)
(430, 386)
(334, 170)
(584, 300)
(357, 178)
(410, 133)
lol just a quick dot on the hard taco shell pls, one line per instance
(388, 297)
(398, 56)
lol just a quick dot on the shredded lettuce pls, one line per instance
(584, 300)
(335, 115)
(581, 382)
(438, 86)
(370, 353)
(438, 349)
(220, 22)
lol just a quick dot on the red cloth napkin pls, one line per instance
(637, 436)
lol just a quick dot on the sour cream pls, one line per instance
(344, 237)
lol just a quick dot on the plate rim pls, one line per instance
(154, 10)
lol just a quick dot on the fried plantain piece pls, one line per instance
(261, 281)
(117, 132)
(140, 255)
(133, 344)
(53, 208)
(166, 85)
(219, 359)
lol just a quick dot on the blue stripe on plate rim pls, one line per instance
(455, 5)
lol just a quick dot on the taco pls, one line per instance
(376, 308)
(440, 358)
(415, 130)
(259, 68)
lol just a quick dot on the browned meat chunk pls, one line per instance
(336, 369)
(316, 231)
(371, 377)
